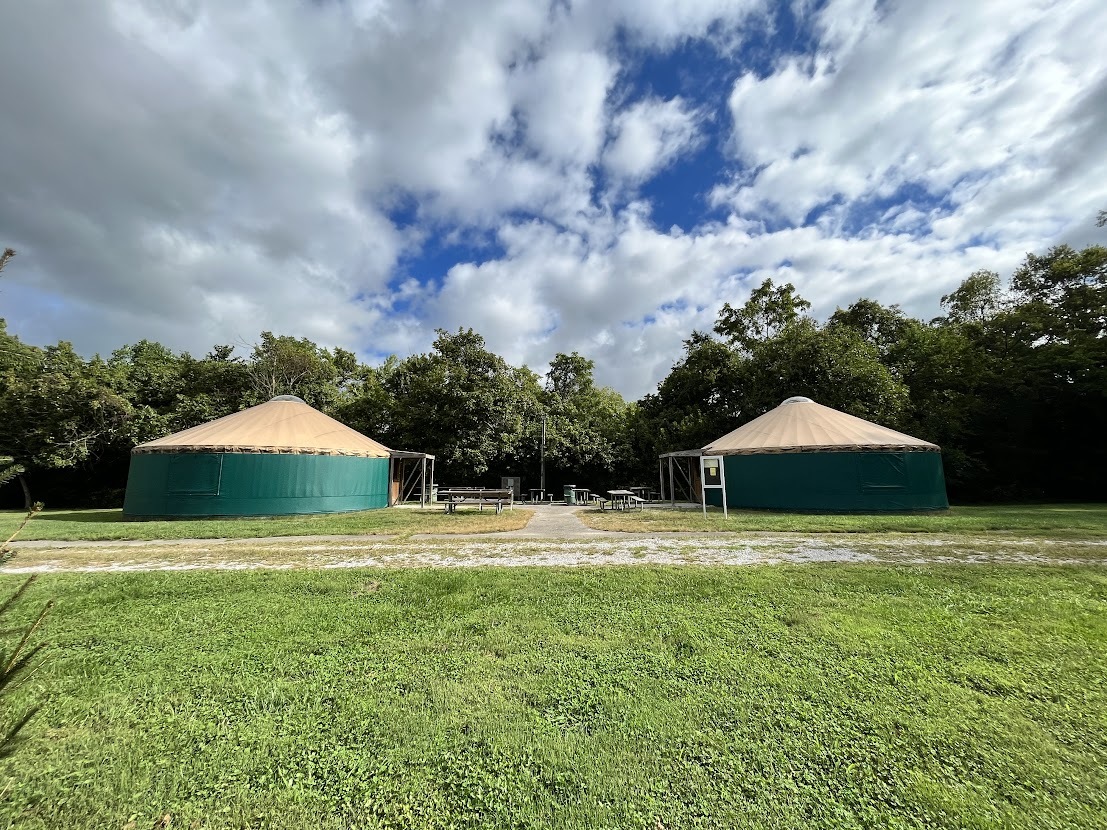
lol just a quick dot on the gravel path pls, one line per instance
(548, 522)
(554, 537)
(513, 551)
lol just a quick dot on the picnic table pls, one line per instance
(580, 494)
(644, 493)
(624, 500)
(537, 494)
(480, 496)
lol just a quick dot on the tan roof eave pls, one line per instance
(827, 448)
(178, 449)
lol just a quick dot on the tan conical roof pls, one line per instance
(283, 425)
(801, 425)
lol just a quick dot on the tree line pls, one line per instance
(1011, 382)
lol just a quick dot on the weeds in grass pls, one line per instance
(100, 525)
(1066, 521)
(17, 666)
(6, 552)
(366, 588)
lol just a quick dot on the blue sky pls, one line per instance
(590, 176)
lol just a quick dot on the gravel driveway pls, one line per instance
(513, 550)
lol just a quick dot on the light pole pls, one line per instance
(542, 482)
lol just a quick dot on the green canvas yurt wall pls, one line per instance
(282, 457)
(835, 481)
(253, 484)
(805, 456)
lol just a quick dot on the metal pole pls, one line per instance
(542, 483)
(722, 480)
(703, 488)
(432, 476)
(423, 488)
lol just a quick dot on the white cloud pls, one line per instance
(196, 171)
(649, 135)
(562, 99)
(627, 295)
(916, 93)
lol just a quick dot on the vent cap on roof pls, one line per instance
(288, 398)
(796, 399)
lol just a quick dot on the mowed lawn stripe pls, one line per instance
(1062, 521)
(108, 525)
(817, 696)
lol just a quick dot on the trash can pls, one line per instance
(570, 496)
(434, 493)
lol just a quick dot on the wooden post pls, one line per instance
(703, 488)
(423, 485)
(388, 498)
(672, 484)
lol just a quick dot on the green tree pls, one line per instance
(148, 376)
(945, 372)
(214, 386)
(701, 399)
(10, 469)
(370, 402)
(586, 427)
(976, 300)
(290, 366)
(61, 412)
(1063, 293)
(465, 405)
(835, 366)
(883, 326)
(769, 310)
(1053, 382)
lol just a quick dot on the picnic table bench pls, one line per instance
(480, 496)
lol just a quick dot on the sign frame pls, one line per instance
(704, 486)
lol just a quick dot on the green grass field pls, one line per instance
(97, 525)
(776, 697)
(1053, 520)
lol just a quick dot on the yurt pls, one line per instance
(281, 457)
(805, 456)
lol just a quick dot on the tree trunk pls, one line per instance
(27, 503)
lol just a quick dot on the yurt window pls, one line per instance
(883, 471)
(195, 475)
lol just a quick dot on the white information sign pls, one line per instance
(712, 477)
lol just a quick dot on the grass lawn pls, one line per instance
(782, 697)
(1051, 520)
(94, 525)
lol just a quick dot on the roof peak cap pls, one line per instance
(287, 398)
(796, 399)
